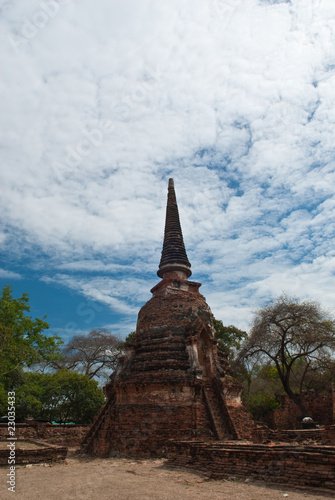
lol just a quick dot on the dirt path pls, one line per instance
(124, 479)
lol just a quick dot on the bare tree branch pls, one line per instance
(91, 354)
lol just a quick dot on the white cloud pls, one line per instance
(123, 296)
(9, 275)
(234, 99)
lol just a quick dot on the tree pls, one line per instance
(321, 374)
(229, 337)
(3, 400)
(128, 341)
(61, 396)
(91, 354)
(260, 404)
(289, 334)
(22, 342)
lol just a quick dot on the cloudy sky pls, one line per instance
(103, 101)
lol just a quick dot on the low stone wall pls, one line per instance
(65, 435)
(39, 452)
(323, 436)
(312, 466)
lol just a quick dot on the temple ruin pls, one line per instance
(173, 383)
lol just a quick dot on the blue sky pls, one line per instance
(103, 101)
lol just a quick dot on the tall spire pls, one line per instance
(174, 258)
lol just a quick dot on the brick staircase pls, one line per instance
(217, 412)
(97, 427)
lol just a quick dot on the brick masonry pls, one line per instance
(172, 382)
(289, 465)
(43, 452)
(321, 407)
(62, 435)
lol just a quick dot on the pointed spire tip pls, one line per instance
(174, 258)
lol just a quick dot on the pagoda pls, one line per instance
(172, 383)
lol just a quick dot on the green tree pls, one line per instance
(62, 396)
(264, 390)
(22, 342)
(229, 338)
(129, 339)
(260, 404)
(29, 394)
(291, 334)
(3, 400)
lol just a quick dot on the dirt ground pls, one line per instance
(125, 479)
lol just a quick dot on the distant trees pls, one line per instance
(294, 338)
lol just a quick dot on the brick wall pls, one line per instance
(320, 407)
(55, 434)
(144, 429)
(328, 434)
(290, 465)
(43, 452)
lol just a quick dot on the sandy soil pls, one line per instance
(125, 479)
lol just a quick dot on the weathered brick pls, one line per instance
(172, 382)
(280, 463)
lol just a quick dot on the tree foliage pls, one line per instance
(294, 337)
(260, 404)
(128, 341)
(229, 337)
(61, 396)
(22, 342)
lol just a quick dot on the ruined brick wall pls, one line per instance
(59, 435)
(141, 423)
(243, 423)
(143, 430)
(320, 407)
(296, 466)
(328, 435)
(43, 452)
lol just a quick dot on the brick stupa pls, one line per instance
(172, 383)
